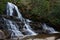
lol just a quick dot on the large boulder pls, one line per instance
(2, 35)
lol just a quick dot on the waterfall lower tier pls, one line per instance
(13, 28)
(48, 29)
(28, 30)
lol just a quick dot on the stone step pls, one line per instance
(11, 17)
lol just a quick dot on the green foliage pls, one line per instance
(47, 9)
(55, 15)
(40, 7)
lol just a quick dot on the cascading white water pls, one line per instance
(28, 30)
(13, 28)
(26, 26)
(48, 29)
(10, 10)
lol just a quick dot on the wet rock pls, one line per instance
(2, 35)
(35, 25)
(11, 17)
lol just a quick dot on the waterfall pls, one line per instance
(49, 29)
(13, 28)
(28, 30)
